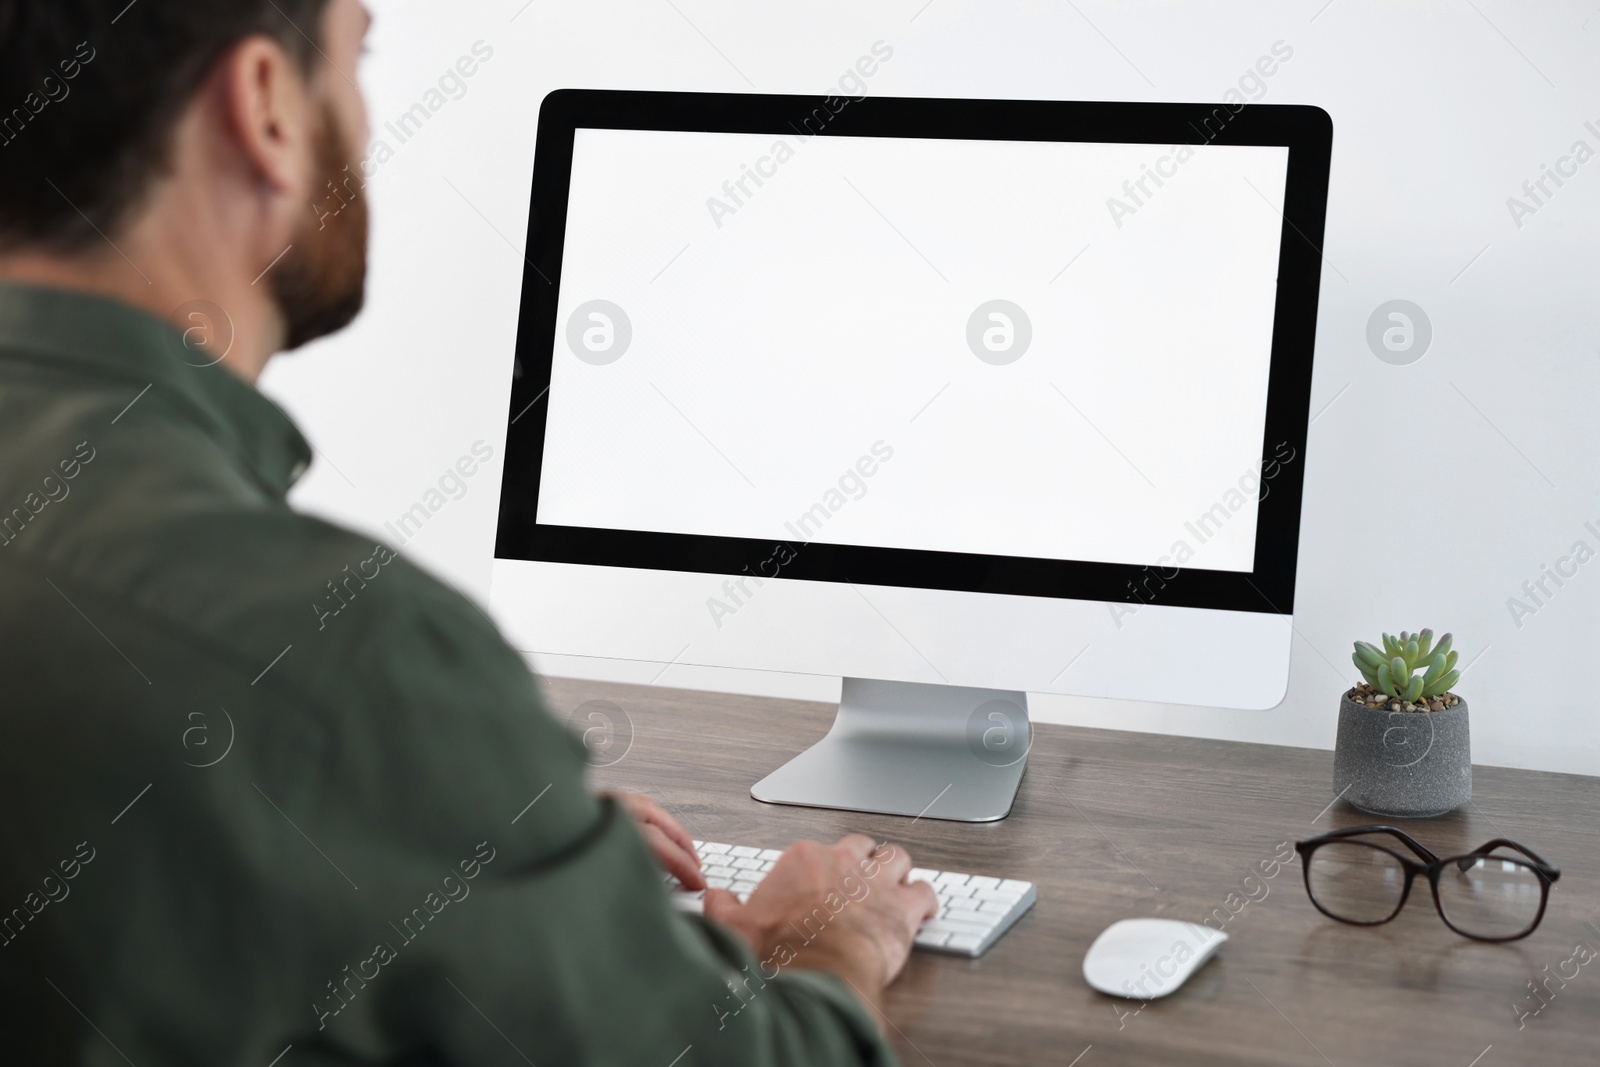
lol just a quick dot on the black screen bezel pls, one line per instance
(1305, 130)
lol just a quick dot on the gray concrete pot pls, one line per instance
(1406, 764)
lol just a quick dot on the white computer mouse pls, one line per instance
(1148, 958)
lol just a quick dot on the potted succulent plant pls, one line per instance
(1403, 747)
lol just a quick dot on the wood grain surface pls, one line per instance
(1115, 825)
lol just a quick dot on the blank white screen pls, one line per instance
(775, 345)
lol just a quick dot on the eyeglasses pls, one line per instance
(1484, 895)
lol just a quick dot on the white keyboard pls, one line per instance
(974, 910)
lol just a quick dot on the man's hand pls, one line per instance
(844, 908)
(670, 843)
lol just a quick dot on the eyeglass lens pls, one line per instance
(1493, 897)
(1355, 881)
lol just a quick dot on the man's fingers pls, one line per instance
(682, 864)
(924, 894)
(674, 830)
(650, 812)
(857, 846)
(895, 863)
(720, 904)
(645, 811)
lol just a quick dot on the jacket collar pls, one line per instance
(105, 339)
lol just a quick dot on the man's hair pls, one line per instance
(91, 90)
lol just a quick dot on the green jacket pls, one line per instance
(238, 821)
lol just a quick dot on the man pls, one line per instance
(240, 828)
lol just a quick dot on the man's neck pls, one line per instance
(233, 322)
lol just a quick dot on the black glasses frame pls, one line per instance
(1431, 867)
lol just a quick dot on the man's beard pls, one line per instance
(321, 283)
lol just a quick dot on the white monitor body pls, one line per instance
(1129, 651)
(1088, 517)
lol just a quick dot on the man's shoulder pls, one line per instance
(211, 569)
(145, 515)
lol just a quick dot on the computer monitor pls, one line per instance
(957, 400)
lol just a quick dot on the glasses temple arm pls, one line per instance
(1410, 842)
(1546, 868)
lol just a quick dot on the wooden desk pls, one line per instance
(1114, 825)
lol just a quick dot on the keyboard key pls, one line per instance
(922, 874)
(719, 883)
(743, 889)
(954, 891)
(952, 878)
(932, 939)
(770, 854)
(746, 863)
(714, 848)
(963, 904)
(994, 907)
(997, 894)
(697, 844)
(1012, 885)
(721, 872)
(964, 942)
(978, 881)
(745, 851)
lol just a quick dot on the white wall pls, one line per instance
(1434, 490)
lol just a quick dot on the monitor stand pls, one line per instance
(904, 748)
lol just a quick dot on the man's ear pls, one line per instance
(268, 111)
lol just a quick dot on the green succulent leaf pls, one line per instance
(1443, 646)
(1443, 684)
(1414, 689)
(1424, 643)
(1391, 647)
(1385, 684)
(1369, 654)
(1436, 668)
